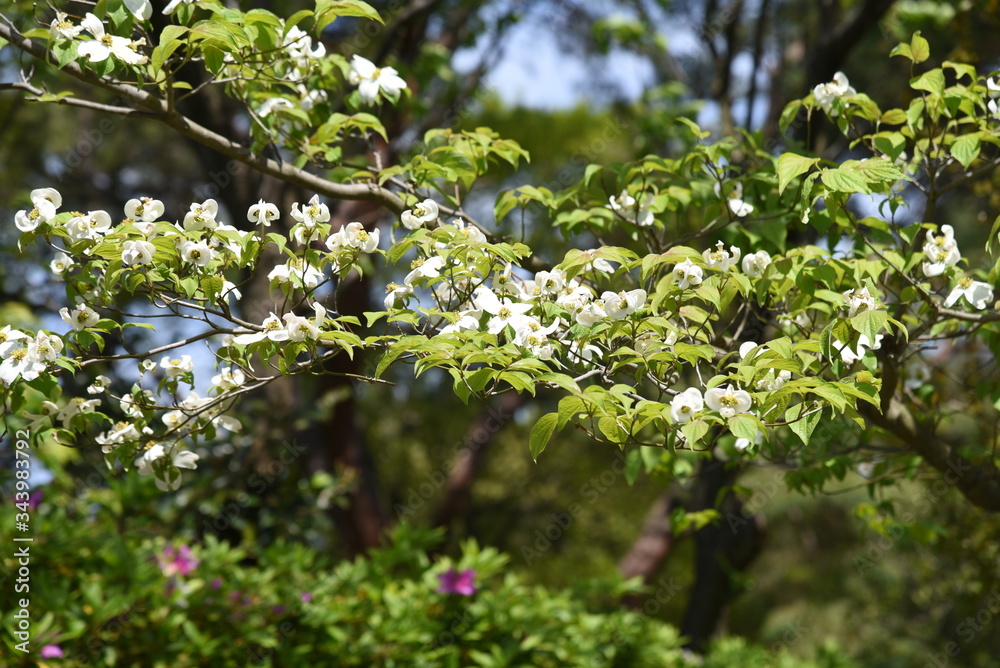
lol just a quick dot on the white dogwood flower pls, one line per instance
(720, 258)
(425, 268)
(103, 45)
(827, 93)
(62, 28)
(977, 293)
(728, 401)
(627, 206)
(196, 252)
(591, 313)
(60, 263)
(44, 347)
(754, 264)
(312, 213)
(940, 251)
(177, 366)
(93, 225)
(202, 216)
(229, 378)
(850, 356)
(174, 4)
(296, 272)
(551, 282)
(620, 305)
(735, 201)
(859, 300)
(79, 318)
(45, 202)
(685, 405)
(396, 293)
(144, 209)
(137, 252)
(99, 386)
(505, 312)
(271, 329)
(262, 213)
(687, 274)
(370, 79)
(422, 214)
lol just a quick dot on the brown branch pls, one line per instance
(158, 110)
(979, 484)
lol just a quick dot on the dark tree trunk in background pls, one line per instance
(653, 546)
(721, 548)
(470, 459)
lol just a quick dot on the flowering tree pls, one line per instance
(712, 330)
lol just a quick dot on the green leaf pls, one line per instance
(791, 165)
(904, 50)
(966, 148)
(879, 170)
(803, 427)
(869, 323)
(633, 465)
(328, 10)
(694, 431)
(931, 81)
(541, 433)
(894, 117)
(844, 181)
(920, 50)
(612, 430)
(744, 426)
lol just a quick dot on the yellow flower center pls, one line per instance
(729, 401)
(965, 282)
(272, 326)
(419, 262)
(504, 313)
(82, 316)
(106, 40)
(19, 355)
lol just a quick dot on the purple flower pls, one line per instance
(51, 652)
(178, 561)
(278, 609)
(306, 597)
(33, 501)
(216, 583)
(453, 582)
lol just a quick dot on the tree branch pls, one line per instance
(978, 484)
(158, 110)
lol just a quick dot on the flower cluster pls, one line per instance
(629, 208)
(940, 251)
(727, 401)
(24, 356)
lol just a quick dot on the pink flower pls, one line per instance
(453, 582)
(178, 561)
(50, 652)
(306, 597)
